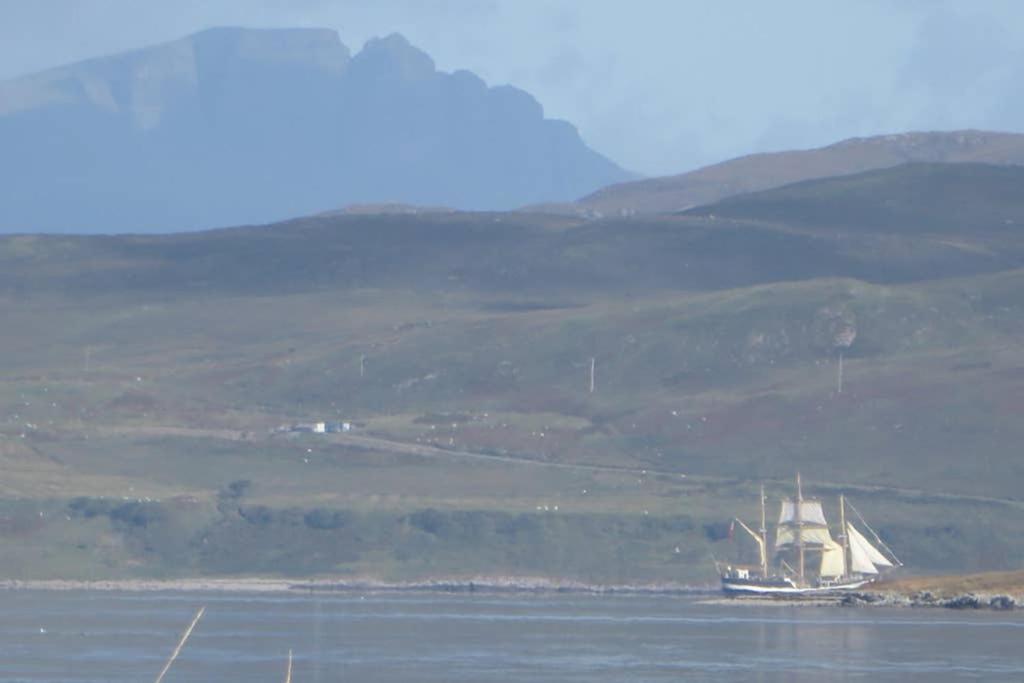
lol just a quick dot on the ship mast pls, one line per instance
(843, 536)
(764, 538)
(798, 518)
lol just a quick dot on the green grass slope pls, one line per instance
(977, 200)
(141, 379)
(758, 172)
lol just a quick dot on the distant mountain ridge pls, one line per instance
(769, 170)
(233, 125)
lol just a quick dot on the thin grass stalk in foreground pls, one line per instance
(181, 643)
(288, 675)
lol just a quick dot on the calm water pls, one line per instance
(108, 637)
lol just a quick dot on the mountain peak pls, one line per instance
(235, 125)
(317, 47)
(141, 82)
(395, 56)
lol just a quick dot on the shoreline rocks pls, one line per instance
(997, 602)
(486, 584)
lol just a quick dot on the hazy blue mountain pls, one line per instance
(233, 125)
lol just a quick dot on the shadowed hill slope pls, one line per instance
(913, 222)
(971, 200)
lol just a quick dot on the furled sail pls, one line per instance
(812, 526)
(832, 561)
(864, 557)
(810, 512)
(811, 536)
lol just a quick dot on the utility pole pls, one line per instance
(839, 376)
(593, 361)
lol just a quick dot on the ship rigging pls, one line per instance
(805, 558)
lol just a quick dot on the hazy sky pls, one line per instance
(660, 86)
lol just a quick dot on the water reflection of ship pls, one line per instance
(805, 559)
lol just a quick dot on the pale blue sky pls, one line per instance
(660, 86)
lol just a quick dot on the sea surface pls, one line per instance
(107, 637)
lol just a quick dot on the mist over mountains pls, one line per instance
(233, 126)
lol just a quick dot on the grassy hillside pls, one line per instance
(758, 172)
(987, 583)
(515, 255)
(978, 200)
(141, 379)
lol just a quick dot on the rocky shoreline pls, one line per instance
(896, 599)
(890, 599)
(502, 585)
(282, 585)
(1000, 602)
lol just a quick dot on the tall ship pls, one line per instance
(804, 558)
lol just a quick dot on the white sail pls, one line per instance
(859, 561)
(810, 512)
(862, 550)
(832, 561)
(786, 536)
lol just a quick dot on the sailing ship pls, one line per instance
(805, 559)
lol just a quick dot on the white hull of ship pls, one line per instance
(751, 588)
